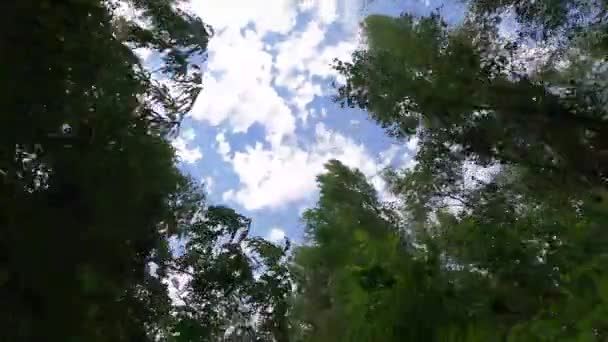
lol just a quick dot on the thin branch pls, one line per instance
(177, 269)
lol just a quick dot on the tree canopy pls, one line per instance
(496, 233)
(505, 207)
(90, 192)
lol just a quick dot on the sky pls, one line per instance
(264, 124)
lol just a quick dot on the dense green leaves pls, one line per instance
(420, 76)
(497, 232)
(90, 197)
(502, 262)
(228, 278)
(356, 280)
(505, 206)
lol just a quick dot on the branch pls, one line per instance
(177, 269)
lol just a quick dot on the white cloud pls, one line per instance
(185, 153)
(177, 286)
(242, 94)
(411, 163)
(276, 235)
(412, 144)
(387, 156)
(294, 54)
(276, 16)
(345, 12)
(242, 73)
(228, 195)
(322, 63)
(209, 183)
(327, 10)
(143, 53)
(188, 134)
(273, 177)
(304, 57)
(223, 147)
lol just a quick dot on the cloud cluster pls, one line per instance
(304, 58)
(275, 176)
(244, 70)
(187, 154)
(238, 89)
(223, 147)
(266, 68)
(268, 16)
(276, 235)
(209, 184)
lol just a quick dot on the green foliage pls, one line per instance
(102, 238)
(482, 245)
(355, 274)
(232, 278)
(418, 76)
(90, 196)
(507, 262)
(547, 19)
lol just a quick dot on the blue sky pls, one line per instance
(264, 124)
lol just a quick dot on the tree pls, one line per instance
(356, 278)
(237, 286)
(534, 249)
(517, 255)
(90, 195)
(419, 76)
(510, 263)
(86, 172)
(559, 20)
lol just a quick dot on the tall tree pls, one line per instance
(87, 176)
(235, 286)
(417, 75)
(514, 252)
(356, 278)
(504, 262)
